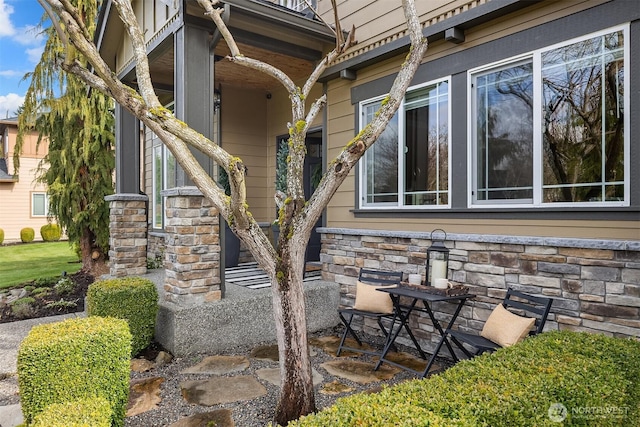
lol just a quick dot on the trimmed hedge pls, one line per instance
(591, 379)
(72, 360)
(50, 232)
(91, 411)
(1, 236)
(132, 298)
(27, 235)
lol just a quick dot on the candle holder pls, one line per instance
(437, 258)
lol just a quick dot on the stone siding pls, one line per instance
(192, 253)
(595, 284)
(128, 234)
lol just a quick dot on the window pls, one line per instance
(39, 204)
(164, 177)
(408, 166)
(549, 128)
(297, 5)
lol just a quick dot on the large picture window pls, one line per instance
(549, 128)
(408, 166)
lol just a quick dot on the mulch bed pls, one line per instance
(82, 281)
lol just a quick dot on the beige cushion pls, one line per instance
(369, 299)
(505, 328)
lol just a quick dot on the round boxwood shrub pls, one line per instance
(92, 411)
(27, 235)
(1, 236)
(134, 299)
(72, 360)
(50, 232)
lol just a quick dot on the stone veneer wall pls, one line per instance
(128, 234)
(192, 253)
(595, 283)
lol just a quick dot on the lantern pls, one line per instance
(437, 258)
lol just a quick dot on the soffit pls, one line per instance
(228, 73)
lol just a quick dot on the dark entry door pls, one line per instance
(312, 173)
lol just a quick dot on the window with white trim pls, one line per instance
(548, 128)
(39, 204)
(164, 177)
(408, 166)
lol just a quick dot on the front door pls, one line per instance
(312, 173)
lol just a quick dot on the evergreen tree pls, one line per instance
(78, 169)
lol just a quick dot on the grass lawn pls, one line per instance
(24, 262)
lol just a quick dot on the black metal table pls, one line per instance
(402, 312)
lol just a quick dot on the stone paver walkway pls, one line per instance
(223, 379)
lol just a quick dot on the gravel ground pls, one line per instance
(251, 413)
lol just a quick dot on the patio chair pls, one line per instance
(504, 327)
(369, 303)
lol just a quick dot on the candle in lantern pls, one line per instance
(438, 270)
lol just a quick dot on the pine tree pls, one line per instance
(78, 169)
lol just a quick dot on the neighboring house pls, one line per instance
(517, 138)
(23, 201)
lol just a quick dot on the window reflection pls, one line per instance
(583, 121)
(504, 128)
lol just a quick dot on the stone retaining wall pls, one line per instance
(595, 284)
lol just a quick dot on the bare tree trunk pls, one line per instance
(296, 394)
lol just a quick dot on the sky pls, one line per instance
(20, 50)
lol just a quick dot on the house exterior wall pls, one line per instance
(448, 59)
(586, 258)
(153, 16)
(16, 197)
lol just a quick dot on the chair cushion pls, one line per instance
(369, 299)
(505, 328)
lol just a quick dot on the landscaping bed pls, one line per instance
(45, 297)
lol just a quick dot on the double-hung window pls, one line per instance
(408, 166)
(549, 128)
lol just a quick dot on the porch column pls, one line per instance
(194, 84)
(192, 254)
(128, 234)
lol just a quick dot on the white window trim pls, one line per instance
(537, 125)
(362, 185)
(46, 204)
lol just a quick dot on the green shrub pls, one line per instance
(62, 304)
(50, 232)
(41, 292)
(72, 360)
(64, 286)
(1, 236)
(46, 281)
(23, 307)
(589, 374)
(132, 298)
(91, 411)
(27, 235)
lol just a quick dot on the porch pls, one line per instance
(244, 315)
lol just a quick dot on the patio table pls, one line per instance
(402, 312)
